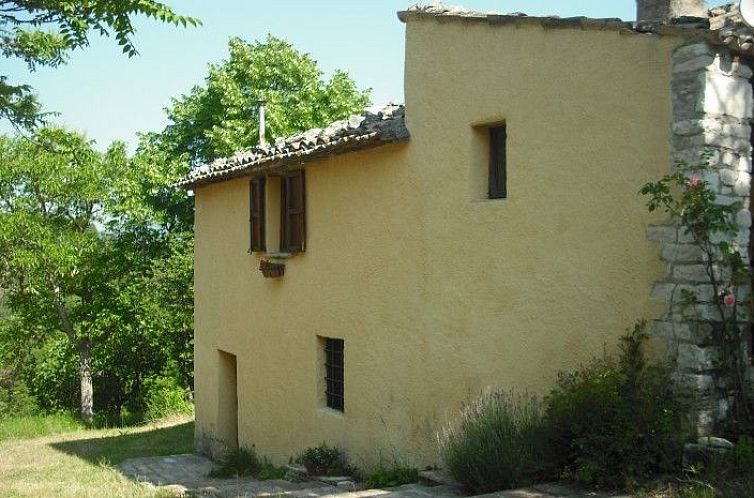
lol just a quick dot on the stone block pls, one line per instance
(662, 233)
(699, 385)
(690, 273)
(728, 176)
(688, 127)
(714, 139)
(692, 51)
(682, 253)
(702, 62)
(692, 358)
(725, 95)
(663, 292)
(742, 187)
(743, 218)
(704, 293)
(744, 163)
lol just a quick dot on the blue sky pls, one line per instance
(110, 97)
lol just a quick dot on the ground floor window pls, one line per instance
(334, 378)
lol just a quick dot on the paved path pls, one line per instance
(187, 475)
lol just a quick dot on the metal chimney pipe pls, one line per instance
(262, 105)
(664, 10)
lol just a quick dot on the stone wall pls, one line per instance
(712, 111)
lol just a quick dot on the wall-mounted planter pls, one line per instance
(271, 270)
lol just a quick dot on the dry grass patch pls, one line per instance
(80, 464)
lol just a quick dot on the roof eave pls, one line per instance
(291, 162)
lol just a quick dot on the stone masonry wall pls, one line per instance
(712, 111)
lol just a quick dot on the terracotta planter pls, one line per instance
(271, 270)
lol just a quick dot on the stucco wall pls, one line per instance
(438, 292)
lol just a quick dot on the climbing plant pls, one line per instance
(711, 226)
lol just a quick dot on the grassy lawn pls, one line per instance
(79, 462)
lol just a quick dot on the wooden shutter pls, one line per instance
(256, 214)
(293, 218)
(498, 159)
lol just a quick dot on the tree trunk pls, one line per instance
(85, 374)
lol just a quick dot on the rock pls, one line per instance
(701, 454)
(715, 442)
(296, 473)
(347, 485)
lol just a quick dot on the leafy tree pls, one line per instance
(66, 245)
(44, 32)
(220, 118)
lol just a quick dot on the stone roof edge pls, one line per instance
(519, 20)
(292, 160)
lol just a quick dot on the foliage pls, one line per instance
(97, 283)
(500, 442)
(617, 422)
(16, 400)
(690, 201)
(44, 32)
(395, 476)
(220, 118)
(164, 396)
(245, 462)
(324, 460)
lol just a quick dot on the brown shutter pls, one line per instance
(498, 159)
(256, 214)
(293, 202)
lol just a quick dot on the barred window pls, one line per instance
(334, 378)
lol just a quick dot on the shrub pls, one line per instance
(395, 476)
(165, 397)
(500, 442)
(245, 462)
(16, 400)
(617, 422)
(324, 460)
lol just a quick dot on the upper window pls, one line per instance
(257, 221)
(497, 183)
(278, 213)
(293, 221)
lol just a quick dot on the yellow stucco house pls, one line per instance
(356, 284)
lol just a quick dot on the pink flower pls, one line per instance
(730, 300)
(695, 182)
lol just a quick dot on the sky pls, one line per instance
(108, 96)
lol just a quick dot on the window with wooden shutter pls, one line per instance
(256, 214)
(293, 216)
(498, 160)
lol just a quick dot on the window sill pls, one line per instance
(329, 412)
(272, 255)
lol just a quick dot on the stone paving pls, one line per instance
(187, 475)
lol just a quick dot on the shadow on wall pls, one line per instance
(112, 450)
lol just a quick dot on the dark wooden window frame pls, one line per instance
(293, 205)
(334, 374)
(497, 169)
(257, 219)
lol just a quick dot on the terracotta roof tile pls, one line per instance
(374, 127)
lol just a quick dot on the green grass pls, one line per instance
(32, 426)
(79, 463)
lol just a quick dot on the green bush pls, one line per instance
(324, 460)
(16, 400)
(500, 442)
(614, 423)
(395, 476)
(245, 462)
(165, 397)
